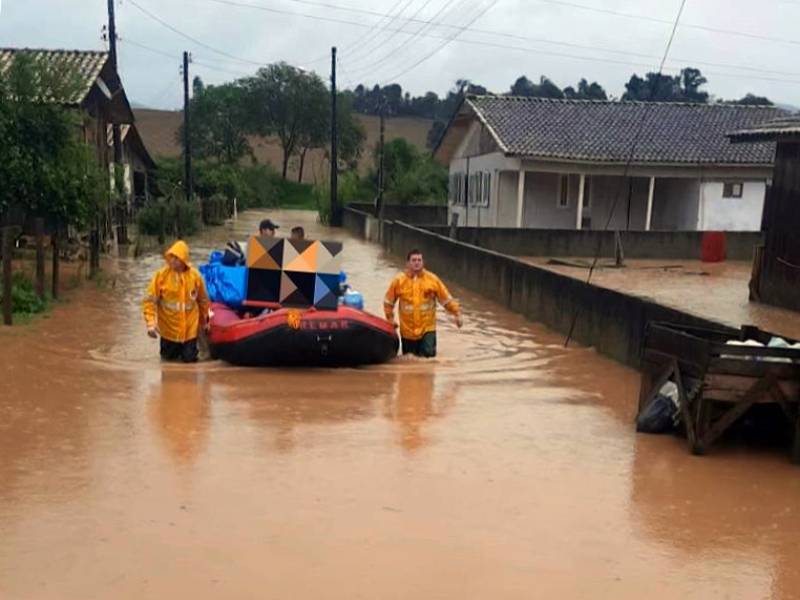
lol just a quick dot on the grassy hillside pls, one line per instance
(159, 130)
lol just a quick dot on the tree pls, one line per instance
(544, 89)
(751, 100)
(656, 87)
(586, 91)
(45, 167)
(691, 82)
(314, 126)
(219, 122)
(283, 101)
(350, 131)
(411, 177)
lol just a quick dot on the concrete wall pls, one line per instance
(612, 322)
(417, 215)
(677, 245)
(732, 214)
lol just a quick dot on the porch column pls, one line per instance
(650, 193)
(581, 191)
(520, 197)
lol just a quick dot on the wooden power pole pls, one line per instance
(336, 219)
(381, 164)
(187, 139)
(116, 134)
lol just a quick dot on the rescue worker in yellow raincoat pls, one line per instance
(417, 291)
(176, 305)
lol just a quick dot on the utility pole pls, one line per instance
(382, 163)
(336, 219)
(112, 34)
(115, 129)
(188, 185)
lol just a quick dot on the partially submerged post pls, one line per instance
(619, 252)
(54, 241)
(8, 246)
(40, 257)
(94, 253)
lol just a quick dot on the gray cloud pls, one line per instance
(564, 43)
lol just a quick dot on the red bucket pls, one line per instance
(713, 247)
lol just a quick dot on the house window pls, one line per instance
(732, 190)
(563, 191)
(475, 181)
(486, 188)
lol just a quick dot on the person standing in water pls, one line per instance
(298, 233)
(267, 228)
(418, 290)
(176, 305)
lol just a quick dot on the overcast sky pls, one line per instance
(556, 38)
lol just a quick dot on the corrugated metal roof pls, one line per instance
(606, 131)
(85, 64)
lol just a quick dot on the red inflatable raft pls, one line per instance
(330, 338)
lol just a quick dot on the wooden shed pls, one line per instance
(777, 269)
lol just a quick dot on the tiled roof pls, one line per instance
(606, 131)
(771, 130)
(86, 65)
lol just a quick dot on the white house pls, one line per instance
(580, 164)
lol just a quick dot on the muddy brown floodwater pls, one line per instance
(507, 468)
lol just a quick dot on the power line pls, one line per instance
(509, 35)
(631, 155)
(190, 38)
(565, 3)
(392, 53)
(352, 79)
(367, 43)
(618, 13)
(401, 30)
(177, 57)
(445, 44)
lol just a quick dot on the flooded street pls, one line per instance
(506, 468)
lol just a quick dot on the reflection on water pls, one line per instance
(505, 468)
(179, 411)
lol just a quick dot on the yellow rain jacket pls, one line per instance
(417, 297)
(175, 301)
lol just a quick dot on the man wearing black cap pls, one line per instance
(267, 228)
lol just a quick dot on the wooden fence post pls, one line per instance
(56, 258)
(8, 245)
(94, 252)
(40, 257)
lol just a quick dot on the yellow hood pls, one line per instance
(180, 250)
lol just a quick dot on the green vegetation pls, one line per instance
(174, 217)
(24, 300)
(45, 168)
(411, 177)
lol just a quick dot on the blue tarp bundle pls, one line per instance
(227, 285)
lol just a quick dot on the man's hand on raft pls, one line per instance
(151, 332)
